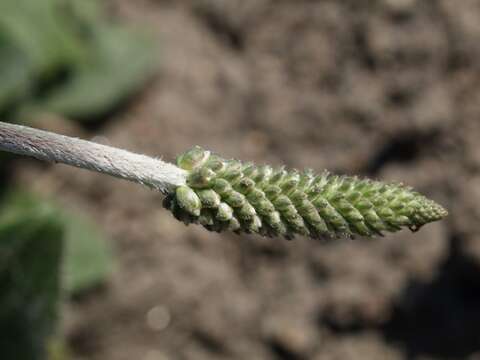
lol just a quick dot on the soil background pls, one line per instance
(388, 89)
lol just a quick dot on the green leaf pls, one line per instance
(30, 260)
(34, 239)
(88, 259)
(40, 28)
(121, 62)
(63, 56)
(15, 73)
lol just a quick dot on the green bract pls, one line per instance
(229, 195)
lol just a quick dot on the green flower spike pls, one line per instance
(229, 195)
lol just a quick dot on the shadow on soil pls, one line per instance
(440, 318)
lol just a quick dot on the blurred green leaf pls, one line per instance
(30, 262)
(121, 62)
(40, 28)
(34, 238)
(65, 56)
(58, 350)
(15, 73)
(88, 259)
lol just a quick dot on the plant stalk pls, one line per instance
(55, 148)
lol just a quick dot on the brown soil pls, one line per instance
(388, 89)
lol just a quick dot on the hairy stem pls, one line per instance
(119, 163)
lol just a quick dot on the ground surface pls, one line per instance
(388, 89)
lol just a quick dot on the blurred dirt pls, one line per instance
(388, 89)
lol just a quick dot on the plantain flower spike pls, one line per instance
(244, 198)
